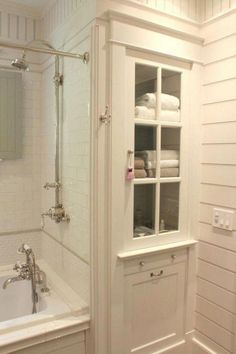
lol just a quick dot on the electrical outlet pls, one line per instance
(223, 219)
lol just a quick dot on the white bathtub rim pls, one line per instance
(42, 333)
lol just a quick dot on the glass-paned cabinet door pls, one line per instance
(157, 130)
(169, 207)
(170, 96)
(170, 152)
(146, 92)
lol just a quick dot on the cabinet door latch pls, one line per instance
(105, 117)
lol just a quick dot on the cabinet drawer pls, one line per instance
(144, 263)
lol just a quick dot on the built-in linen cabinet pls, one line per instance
(154, 301)
(156, 146)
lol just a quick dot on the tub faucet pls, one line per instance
(11, 280)
(29, 271)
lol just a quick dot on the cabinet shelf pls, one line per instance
(145, 181)
(170, 179)
(155, 122)
(127, 255)
(152, 122)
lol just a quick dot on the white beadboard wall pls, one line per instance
(216, 293)
(197, 10)
(18, 24)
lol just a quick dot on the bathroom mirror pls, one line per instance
(10, 115)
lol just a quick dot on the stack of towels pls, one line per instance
(148, 158)
(139, 170)
(145, 163)
(146, 106)
(169, 163)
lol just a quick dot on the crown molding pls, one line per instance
(115, 15)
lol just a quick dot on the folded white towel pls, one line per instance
(149, 165)
(168, 102)
(142, 112)
(169, 155)
(149, 156)
(170, 172)
(170, 116)
(169, 163)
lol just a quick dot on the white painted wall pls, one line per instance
(216, 293)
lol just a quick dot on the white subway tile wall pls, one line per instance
(9, 244)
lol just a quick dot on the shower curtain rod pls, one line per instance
(84, 57)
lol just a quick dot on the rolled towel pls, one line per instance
(169, 163)
(169, 154)
(140, 174)
(148, 100)
(170, 116)
(168, 102)
(142, 112)
(147, 155)
(150, 165)
(170, 172)
(138, 163)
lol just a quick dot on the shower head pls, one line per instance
(20, 63)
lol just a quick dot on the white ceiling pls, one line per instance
(37, 4)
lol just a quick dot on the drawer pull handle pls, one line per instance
(156, 275)
(173, 256)
(141, 264)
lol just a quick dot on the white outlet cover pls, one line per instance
(223, 219)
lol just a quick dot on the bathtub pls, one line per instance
(54, 311)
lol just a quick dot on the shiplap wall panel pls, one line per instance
(218, 256)
(215, 332)
(213, 236)
(220, 133)
(219, 154)
(217, 275)
(218, 195)
(220, 91)
(222, 70)
(223, 175)
(211, 34)
(217, 295)
(213, 51)
(216, 314)
(219, 112)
